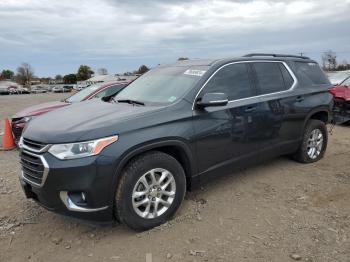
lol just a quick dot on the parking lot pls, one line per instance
(278, 211)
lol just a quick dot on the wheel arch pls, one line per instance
(176, 148)
(322, 113)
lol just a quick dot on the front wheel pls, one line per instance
(150, 191)
(314, 143)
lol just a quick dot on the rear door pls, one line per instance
(227, 135)
(277, 115)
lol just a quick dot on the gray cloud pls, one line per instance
(56, 36)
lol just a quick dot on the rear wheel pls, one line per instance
(314, 142)
(151, 190)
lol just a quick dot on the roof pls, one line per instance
(110, 78)
(196, 62)
(249, 57)
(118, 82)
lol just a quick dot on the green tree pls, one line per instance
(7, 74)
(25, 73)
(70, 79)
(84, 73)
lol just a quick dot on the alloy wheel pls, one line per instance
(315, 144)
(153, 193)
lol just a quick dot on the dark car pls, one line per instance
(22, 118)
(341, 95)
(132, 158)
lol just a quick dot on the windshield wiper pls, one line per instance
(130, 101)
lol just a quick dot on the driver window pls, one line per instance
(233, 80)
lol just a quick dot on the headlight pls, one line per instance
(81, 149)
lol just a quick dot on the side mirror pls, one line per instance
(213, 99)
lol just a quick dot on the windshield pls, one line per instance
(78, 97)
(163, 85)
(339, 77)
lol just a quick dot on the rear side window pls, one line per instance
(269, 77)
(233, 80)
(310, 74)
(288, 79)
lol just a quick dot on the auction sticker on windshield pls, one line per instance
(193, 72)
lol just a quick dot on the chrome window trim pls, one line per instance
(251, 97)
(219, 101)
(45, 173)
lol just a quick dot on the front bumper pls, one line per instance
(92, 176)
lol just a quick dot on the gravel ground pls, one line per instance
(277, 211)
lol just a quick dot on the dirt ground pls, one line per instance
(277, 211)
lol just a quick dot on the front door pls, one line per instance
(227, 135)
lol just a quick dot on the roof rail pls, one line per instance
(276, 55)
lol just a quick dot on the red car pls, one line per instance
(341, 95)
(21, 119)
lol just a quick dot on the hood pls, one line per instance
(83, 121)
(341, 92)
(40, 109)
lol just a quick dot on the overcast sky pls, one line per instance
(55, 37)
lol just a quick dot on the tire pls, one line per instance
(132, 183)
(304, 155)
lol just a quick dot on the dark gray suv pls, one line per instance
(132, 158)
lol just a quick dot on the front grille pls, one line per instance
(33, 144)
(32, 167)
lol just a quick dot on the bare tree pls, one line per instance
(24, 74)
(329, 60)
(102, 71)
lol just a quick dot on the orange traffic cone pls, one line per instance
(8, 142)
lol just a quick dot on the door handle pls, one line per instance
(299, 99)
(250, 109)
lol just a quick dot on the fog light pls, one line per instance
(78, 198)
